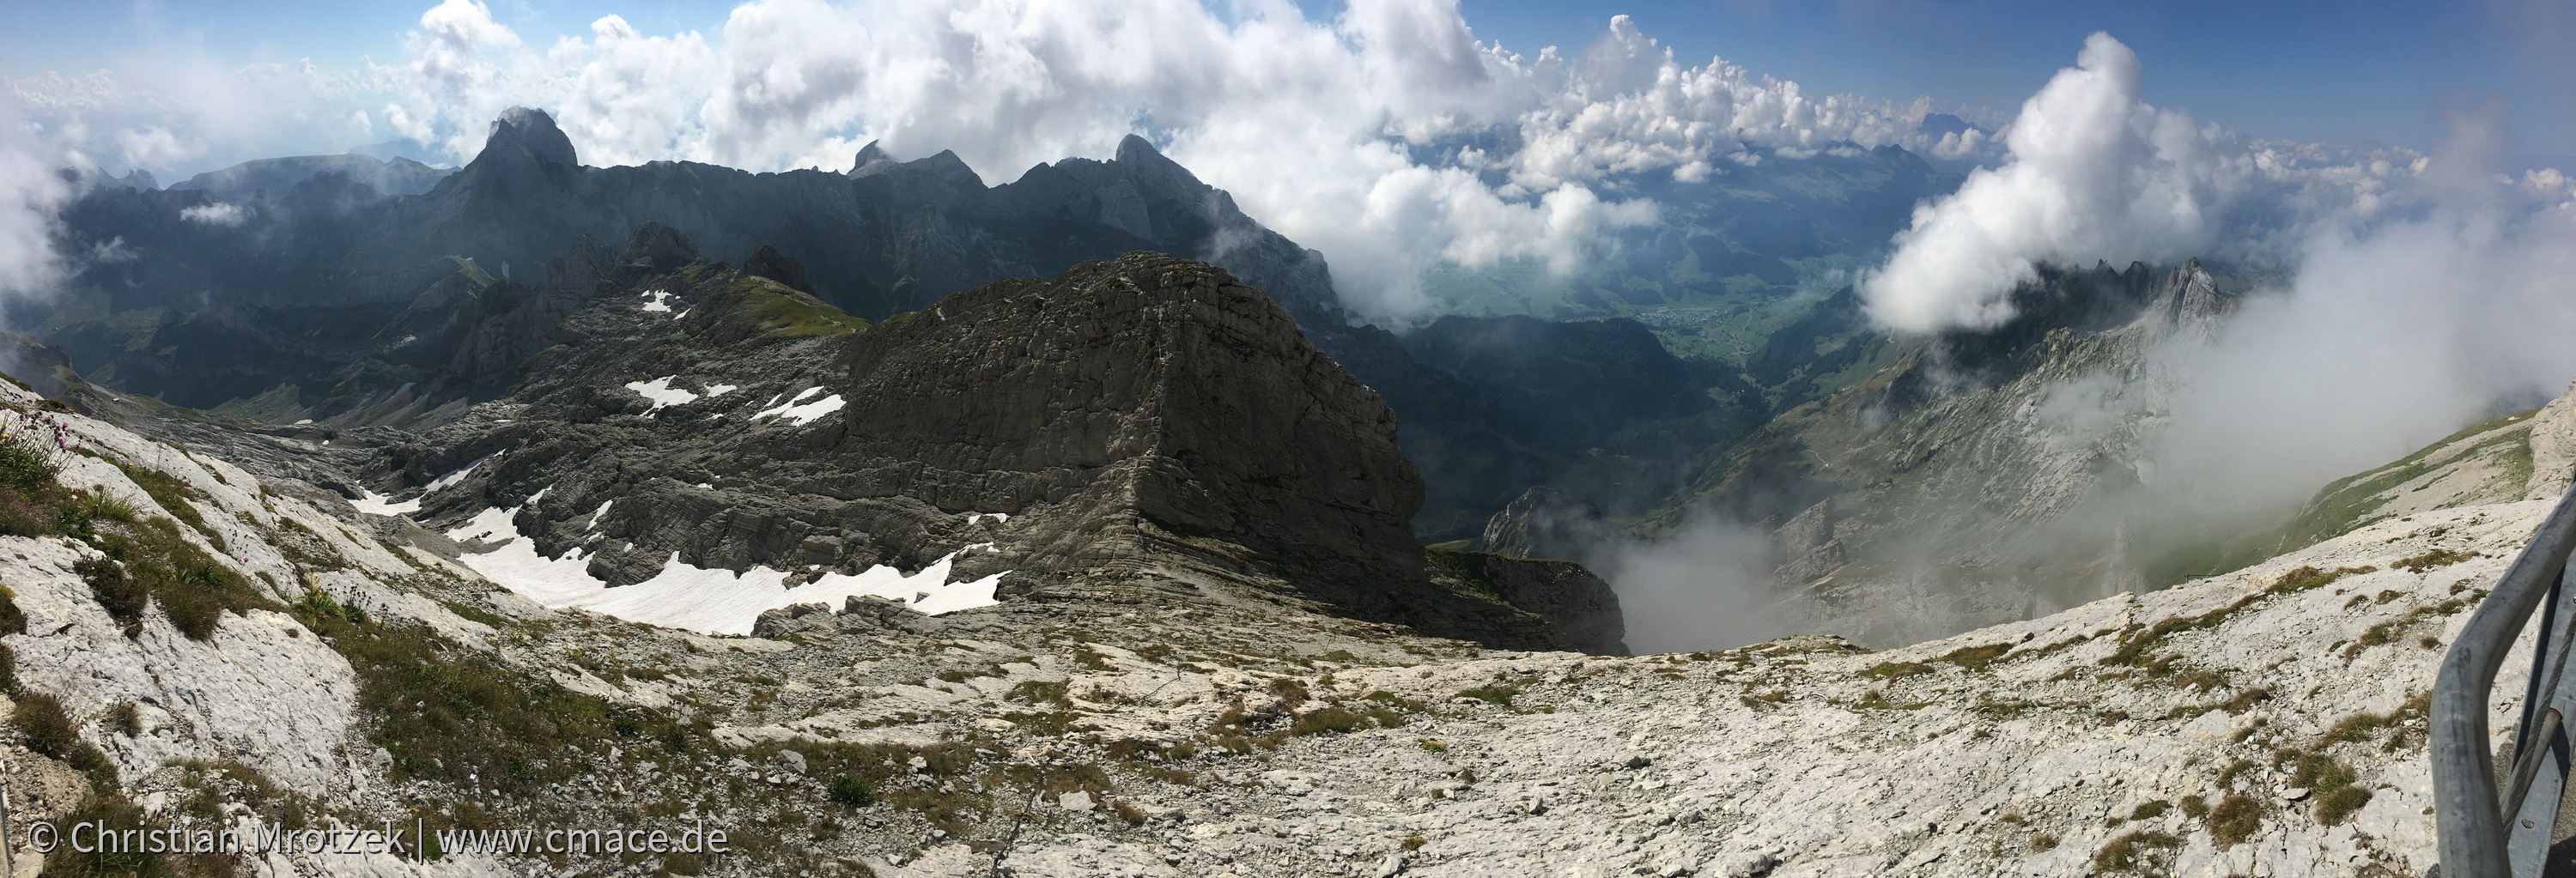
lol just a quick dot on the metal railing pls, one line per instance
(2476, 838)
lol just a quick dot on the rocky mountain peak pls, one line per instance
(531, 133)
(769, 263)
(943, 169)
(869, 159)
(525, 163)
(1140, 428)
(1136, 150)
(659, 249)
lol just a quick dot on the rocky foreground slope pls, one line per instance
(199, 646)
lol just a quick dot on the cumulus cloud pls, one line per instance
(2093, 173)
(2400, 297)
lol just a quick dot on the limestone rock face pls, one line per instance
(1164, 400)
(2553, 448)
(1544, 522)
(1806, 547)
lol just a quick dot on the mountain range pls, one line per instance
(347, 292)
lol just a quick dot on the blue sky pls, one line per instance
(2340, 72)
(2356, 73)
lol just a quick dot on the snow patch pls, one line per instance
(997, 517)
(803, 412)
(657, 300)
(442, 482)
(660, 391)
(373, 503)
(716, 390)
(697, 598)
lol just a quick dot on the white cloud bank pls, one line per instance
(31, 192)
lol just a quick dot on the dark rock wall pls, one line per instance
(1153, 386)
(1560, 604)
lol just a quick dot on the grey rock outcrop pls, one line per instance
(1806, 547)
(1573, 609)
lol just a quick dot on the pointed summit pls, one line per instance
(1134, 148)
(948, 167)
(870, 156)
(531, 133)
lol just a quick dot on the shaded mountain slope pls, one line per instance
(1969, 483)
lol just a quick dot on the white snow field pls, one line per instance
(697, 598)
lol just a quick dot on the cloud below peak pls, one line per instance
(2092, 173)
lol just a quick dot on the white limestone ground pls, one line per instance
(262, 690)
(685, 596)
(1794, 759)
(1802, 757)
